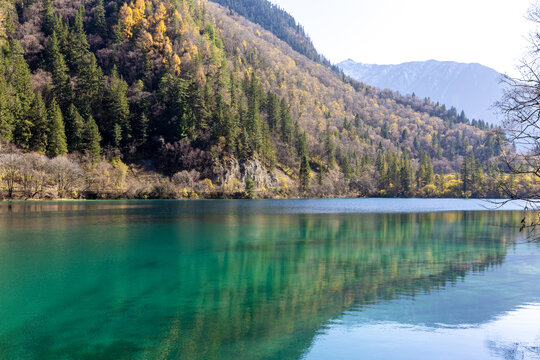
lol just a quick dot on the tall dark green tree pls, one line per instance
(406, 174)
(382, 169)
(253, 119)
(139, 128)
(60, 79)
(305, 173)
(330, 151)
(39, 116)
(117, 126)
(57, 143)
(91, 138)
(78, 44)
(173, 97)
(48, 17)
(198, 107)
(22, 131)
(469, 173)
(99, 22)
(286, 122)
(6, 116)
(89, 85)
(273, 109)
(17, 74)
(268, 150)
(425, 171)
(346, 167)
(74, 124)
(301, 143)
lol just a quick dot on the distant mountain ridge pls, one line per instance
(473, 88)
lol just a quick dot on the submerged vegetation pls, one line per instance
(189, 87)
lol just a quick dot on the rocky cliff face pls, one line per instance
(234, 174)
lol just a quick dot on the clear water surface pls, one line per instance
(299, 279)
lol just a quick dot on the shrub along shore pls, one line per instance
(34, 176)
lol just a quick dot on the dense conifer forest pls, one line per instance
(186, 98)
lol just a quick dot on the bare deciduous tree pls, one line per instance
(186, 179)
(520, 107)
(65, 173)
(33, 174)
(10, 171)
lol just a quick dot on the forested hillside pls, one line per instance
(191, 91)
(472, 87)
(276, 20)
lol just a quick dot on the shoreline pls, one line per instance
(270, 207)
(4, 200)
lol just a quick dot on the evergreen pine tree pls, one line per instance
(173, 95)
(466, 173)
(305, 173)
(99, 22)
(301, 143)
(61, 29)
(406, 174)
(74, 129)
(117, 135)
(18, 73)
(60, 79)
(253, 119)
(140, 128)
(89, 85)
(118, 109)
(22, 130)
(78, 44)
(250, 188)
(6, 116)
(48, 17)
(384, 130)
(268, 149)
(91, 138)
(393, 175)
(38, 114)
(286, 123)
(56, 144)
(346, 168)
(273, 110)
(330, 151)
(429, 170)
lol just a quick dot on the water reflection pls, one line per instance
(514, 335)
(166, 281)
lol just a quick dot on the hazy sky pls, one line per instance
(490, 32)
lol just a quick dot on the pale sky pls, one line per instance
(489, 32)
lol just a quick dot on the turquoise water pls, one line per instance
(304, 279)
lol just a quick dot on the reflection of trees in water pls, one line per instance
(514, 351)
(316, 266)
(261, 286)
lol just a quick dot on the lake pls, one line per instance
(290, 279)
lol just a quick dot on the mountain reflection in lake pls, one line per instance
(205, 280)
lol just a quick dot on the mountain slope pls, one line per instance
(471, 87)
(276, 20)
(187, 85)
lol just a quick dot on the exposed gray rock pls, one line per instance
(234, 174)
